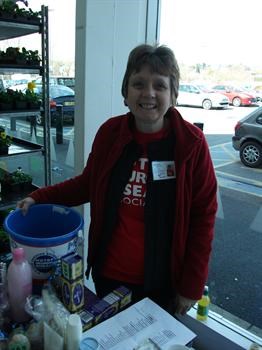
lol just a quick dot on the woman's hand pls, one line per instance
(181, 305)
(24, 204)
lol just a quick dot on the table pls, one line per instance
(207, 338)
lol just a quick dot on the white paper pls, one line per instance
(141, 321)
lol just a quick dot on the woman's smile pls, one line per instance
(147, 106)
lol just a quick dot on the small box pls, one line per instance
(125, 295)
(72, 266)
(113, 300)
(87, 319)
(96, 310)
(73, 294)
(100, 311)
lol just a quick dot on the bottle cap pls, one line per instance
(205, 290)
(18, 254)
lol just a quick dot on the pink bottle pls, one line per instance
(19, 282)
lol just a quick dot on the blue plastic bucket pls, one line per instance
(46, 232)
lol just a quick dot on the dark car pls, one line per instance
(59, 95)
(248, 139)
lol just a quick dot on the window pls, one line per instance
(212, 58)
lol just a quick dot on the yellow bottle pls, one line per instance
(203, 306)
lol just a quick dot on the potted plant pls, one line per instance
(4, 241)
(17, 181)
(5, 141)
(11, 54)
(7, 9)
(4, 236)
(20, 100)
(33, 57)
(22, 57)
(10, 10)
(6, 100)
(33, 99)
(2, 57)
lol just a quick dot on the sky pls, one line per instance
(210, 31)
(213, 31)
(61, 29)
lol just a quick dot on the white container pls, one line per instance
(73, 332)
(19, 285)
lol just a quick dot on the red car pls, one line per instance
(237, 97)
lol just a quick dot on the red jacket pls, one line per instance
(195, 196)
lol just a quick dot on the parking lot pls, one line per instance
(219, 128)
(236, 259)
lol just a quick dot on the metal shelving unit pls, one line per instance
(13, 29)
(10, 28)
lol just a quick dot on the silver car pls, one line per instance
(248, 139)
(199, 96)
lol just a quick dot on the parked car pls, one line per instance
(59, 95)
(248, 139)
(237, 97)
(255, 92)
(193, 95)
(54, 80)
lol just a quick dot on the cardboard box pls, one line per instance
(72, 266)
(96, 310)
(125, 296)
(73, 294)
(87, 319)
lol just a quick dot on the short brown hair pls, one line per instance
(160, 59)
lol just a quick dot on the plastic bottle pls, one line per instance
(19, 281)
(3, 292)
(203, 306)
(73, 332)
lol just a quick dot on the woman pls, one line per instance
(152, 190)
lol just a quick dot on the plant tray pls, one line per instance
(12, 28)
(20, 146)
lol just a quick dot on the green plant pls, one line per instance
(8, 6)
(12, 51)
(32, 56)
(11, 8)
(18, 177)
(32, 97)
(4, 241)
(7, 96)
(20, 56)
(11, 97)
(19, 96)
(4, 238)
(5, 140)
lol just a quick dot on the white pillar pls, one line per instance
(106, 31)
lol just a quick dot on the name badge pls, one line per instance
(163, 170)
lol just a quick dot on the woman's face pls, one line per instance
(148, 98)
